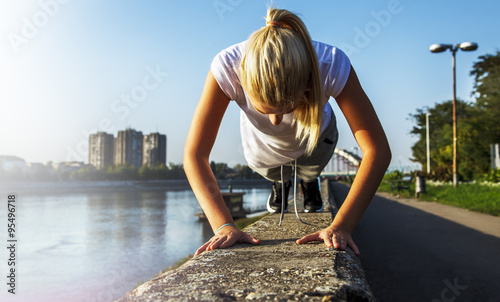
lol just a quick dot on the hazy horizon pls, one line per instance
(72, 68)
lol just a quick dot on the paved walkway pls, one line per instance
(422, 251)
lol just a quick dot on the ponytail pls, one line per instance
(280, 69)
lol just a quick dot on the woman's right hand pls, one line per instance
(226, 237)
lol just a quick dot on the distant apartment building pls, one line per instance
(101, 150)
(154, 149)
(13, 166)
(128, 148)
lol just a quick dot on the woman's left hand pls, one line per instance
(332, 237)
(226, 237)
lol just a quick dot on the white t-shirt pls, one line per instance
(264, 144)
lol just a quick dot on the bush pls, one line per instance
(441, 174)
(493, 176)
(392, 176)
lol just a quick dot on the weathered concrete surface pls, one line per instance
(278, 269)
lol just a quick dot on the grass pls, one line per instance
(475, 197)
(478, 197)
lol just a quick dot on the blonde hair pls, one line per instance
(280, 69)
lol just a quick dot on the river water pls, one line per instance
(96, 246)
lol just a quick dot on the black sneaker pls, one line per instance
(312, 196)
(274, 200)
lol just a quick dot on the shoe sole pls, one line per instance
(317, 211)
(271, 210)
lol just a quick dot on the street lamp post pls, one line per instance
(427, 141)
(465, 46)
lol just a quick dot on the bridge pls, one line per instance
(342, 163)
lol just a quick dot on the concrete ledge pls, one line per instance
(278, 269)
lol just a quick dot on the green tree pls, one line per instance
(477, 124)
(245, 172)
(220, 170)
(123, 172)
(161, 171)
(441, 139)
(146, 173)
(176, 171)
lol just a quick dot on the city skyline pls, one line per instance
(102, 149)
(129, 147)
(75, 68)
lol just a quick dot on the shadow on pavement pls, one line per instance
(411, 255)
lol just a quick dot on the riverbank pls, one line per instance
(65, 187)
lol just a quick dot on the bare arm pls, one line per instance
(200, 140)
(371, 138)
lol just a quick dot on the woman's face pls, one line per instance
(275, 114)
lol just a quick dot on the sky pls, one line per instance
(71, 68)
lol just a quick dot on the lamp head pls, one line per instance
(468, 46)
(440, 47)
